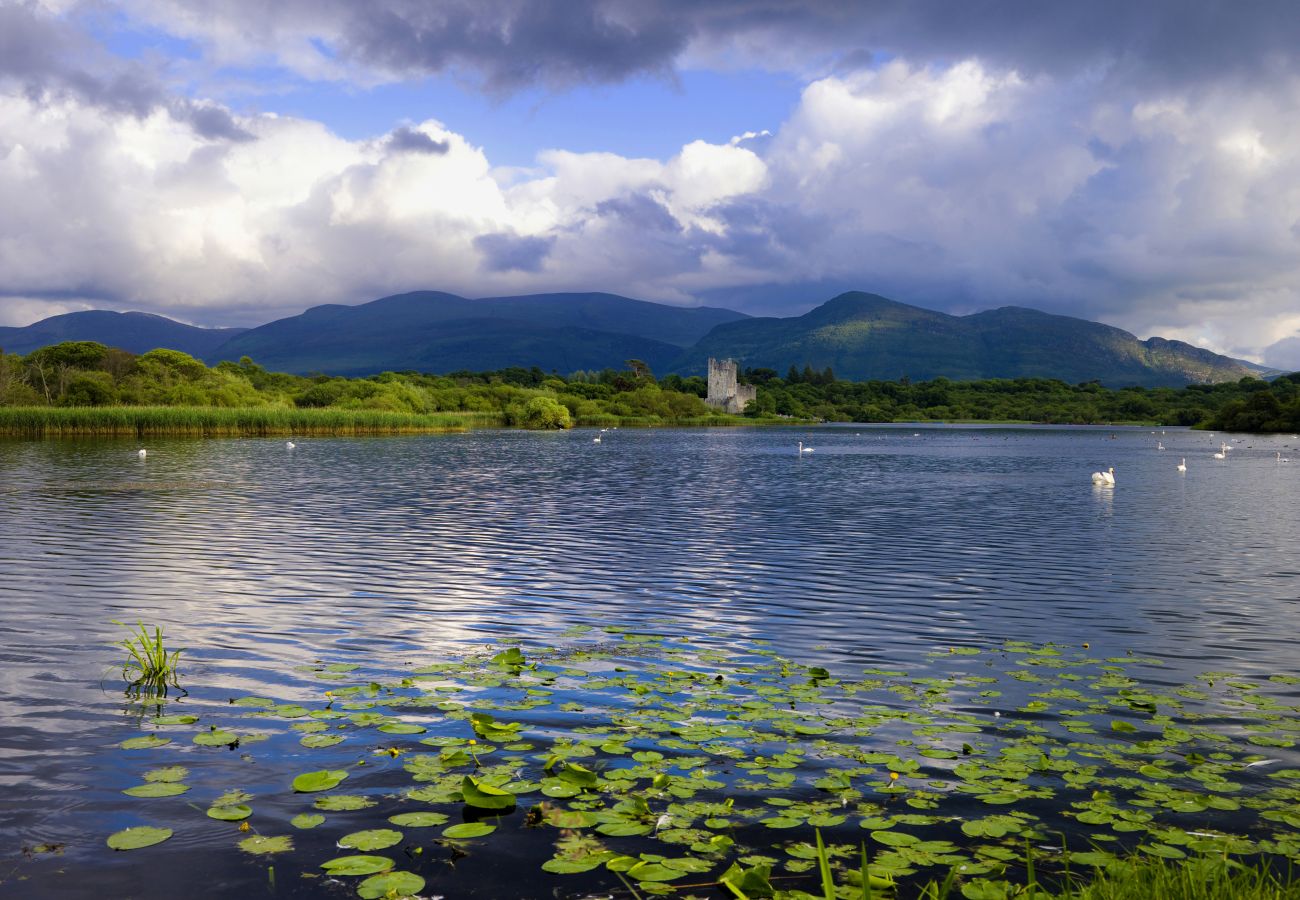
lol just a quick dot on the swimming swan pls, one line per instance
(1107, 477)
(142, 453)
(1182, 465)
(803, 449)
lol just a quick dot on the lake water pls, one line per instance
(883, 545)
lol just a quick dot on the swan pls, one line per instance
(803, 449)
(1220, 455)
(289, 445)
(142, 453)
(596, 440)
(1182, 465)
(1107, 477)
(1160, 445)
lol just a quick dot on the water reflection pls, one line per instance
(884, 544)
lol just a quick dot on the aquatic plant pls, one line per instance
(149, 667)
(673, 764)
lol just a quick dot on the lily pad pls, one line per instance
(469, 830)
(176, 720)
(357, 865)
(320, 780)
(157, 789)
(306, 820)
(262, 845)
(217, 737)
(230, 813)
(343, 802)
(390, 884)
(138, 837)
(147, 742)
(167, 773)
(419, 819)
(372, 839)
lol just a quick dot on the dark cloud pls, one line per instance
(210, 122)
(411, 140)
(509, 44)
(641, 212)
(47, 58)
(504, 251)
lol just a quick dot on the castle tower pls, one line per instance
(724, 393)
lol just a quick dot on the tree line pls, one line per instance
(86, 373)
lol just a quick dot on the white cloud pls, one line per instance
(959, 186)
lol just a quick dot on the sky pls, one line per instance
(229, 162)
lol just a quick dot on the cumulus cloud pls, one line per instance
(1109, 161)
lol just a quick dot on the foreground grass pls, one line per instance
(1145, 878)
(209, 421)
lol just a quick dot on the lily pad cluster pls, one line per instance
(675, 766)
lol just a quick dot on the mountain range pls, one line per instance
(860, 336)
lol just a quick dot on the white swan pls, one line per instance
(1223, 452)
(596, 440)
(1159, 445)
(1182, 465)
(803, 449)
(142, 453)
(1107, 477)
(289, 445)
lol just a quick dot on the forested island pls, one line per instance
(87, 387)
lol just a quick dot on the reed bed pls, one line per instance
(207, 421)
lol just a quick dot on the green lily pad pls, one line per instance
(469, 830)
(390, 884)
(320, 780)
(481, 795)
(230, 813)
(157, 789)
(372, 839)
(306, 820)
(148, 742)
(183, 719)
(261, 845)
(401, 728)
(343, 802)
(138, 837)
(357, 865)
(167, 773)
(215, 738)
(316, 741)
(419, 819)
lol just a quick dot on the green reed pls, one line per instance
(207, 421)
(148, 664)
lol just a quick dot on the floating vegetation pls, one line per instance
(672, 766)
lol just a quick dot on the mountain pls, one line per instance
(133, 331)
(865, 336)
(432, 331)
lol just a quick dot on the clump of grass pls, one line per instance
(148, 665)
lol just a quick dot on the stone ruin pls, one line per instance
(724, 393)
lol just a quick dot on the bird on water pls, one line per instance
(1182, 465)
(803, 449)
(142, 453)
(1107, 477)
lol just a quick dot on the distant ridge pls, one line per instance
(432, 331)
(860, 336)
(865, 337)
(136, 332)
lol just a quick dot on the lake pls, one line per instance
(888, 548)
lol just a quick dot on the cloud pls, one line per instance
(504, 251)
(1285, 354)
(510, 44)
(961, 164)
(410, 140)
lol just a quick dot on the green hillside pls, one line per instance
(865, 337)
